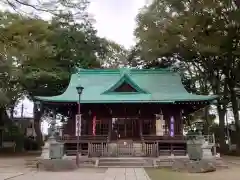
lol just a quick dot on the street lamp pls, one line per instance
(78, 118)
(38, 105)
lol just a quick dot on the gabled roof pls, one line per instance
(152, 86)
(125, 79)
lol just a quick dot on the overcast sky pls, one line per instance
(115, 20)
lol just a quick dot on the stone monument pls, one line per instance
(52, 157)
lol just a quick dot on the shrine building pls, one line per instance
(126, 112)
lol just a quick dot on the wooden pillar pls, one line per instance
(90, 124)
(153, 126)
(140, 127)
(110, 128)
(69, 127)
(177, 122)
(167, 121)
(180, 123)
(84, 125)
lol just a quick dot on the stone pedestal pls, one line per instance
(185, 165)
(47, 164)
(194, 149)
(45, 151)
(202, 166)
(55, 165)
(207, 150)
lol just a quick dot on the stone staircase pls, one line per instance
(31, 163)
(124, 162)
(220, 163)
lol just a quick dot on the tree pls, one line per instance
(115, 56)
(77, 8)
(204, 35)
(38, 57)
(10, 89)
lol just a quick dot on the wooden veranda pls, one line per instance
(149, 146)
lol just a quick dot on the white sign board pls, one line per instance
(160, 127)
(78, 122)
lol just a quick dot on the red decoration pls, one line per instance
(94, 126)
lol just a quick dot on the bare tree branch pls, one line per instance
(52, 7)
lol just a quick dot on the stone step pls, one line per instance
(125, 162)
(31, 163)
(124, 159)
(220, 163)
(126, 166)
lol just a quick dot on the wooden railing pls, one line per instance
(150, 146)
(176, 138)
(83, 138)
(166, 138)
(144, 138)
(97, 149)
(130, 150)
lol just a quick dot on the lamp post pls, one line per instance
(38, 105)
(78, 118)
(52, 130)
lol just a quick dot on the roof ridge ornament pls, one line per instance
(124, 71)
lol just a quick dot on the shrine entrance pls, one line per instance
(126, 128)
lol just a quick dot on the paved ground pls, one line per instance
(126, 174)
(232, 159)
(7, 172)
(82, 174)
(14, 169)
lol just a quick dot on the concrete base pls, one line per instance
(202, 166)
(57, 165)
(207, 153)
(47, 164)
(207, 150)
(45, 151)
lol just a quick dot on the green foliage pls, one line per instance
(115, 56)
(13, 133)
(39, 57)
(194, 30)
(203, 37)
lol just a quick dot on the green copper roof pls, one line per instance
(159, 86)
(125, 79)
